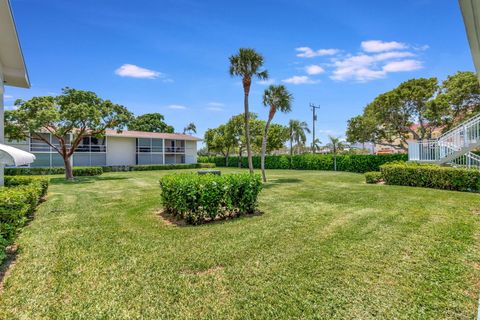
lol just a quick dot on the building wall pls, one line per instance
(121, 151)
(190, 151)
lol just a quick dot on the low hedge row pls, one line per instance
(373, 177)
(431, 176)
(352, 163)
(200, 198)
(18, 200)
(148, 167)
(43, 171)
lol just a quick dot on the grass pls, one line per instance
(327, 246)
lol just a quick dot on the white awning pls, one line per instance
(11, 156)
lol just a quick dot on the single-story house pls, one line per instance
(117, 149)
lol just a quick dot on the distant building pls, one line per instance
(116, 149)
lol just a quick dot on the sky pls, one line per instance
(171, 56)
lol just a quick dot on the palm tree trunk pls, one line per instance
(246, 89)
(291, 152)
(264, 149)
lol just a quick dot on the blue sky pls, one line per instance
(172, 56)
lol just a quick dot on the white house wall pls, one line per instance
(121, 151)
(190, 151)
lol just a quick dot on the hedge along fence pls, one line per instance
(431, 176)
(352, 163)
(200, 198)
(18, 200)
(149, 167)
(43, 171)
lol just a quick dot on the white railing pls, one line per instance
(452, 147)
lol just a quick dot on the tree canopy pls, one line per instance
(150, 122)
(68, 118)
(416, 109)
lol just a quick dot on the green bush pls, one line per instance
(360, 163)
(18, 199)
(431, 176)
(149, 167)
(43, 171)
(199, 198)
(373, 177)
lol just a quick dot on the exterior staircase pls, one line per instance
(452, 148)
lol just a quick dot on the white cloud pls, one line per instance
(307, 52)
(266, 82)
(176, 106)
(314, 69)
(299, 80)
(8, 97)
(402, 66)
(392, 55)
(133, 71)
(381, 46)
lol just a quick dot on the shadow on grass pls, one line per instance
(8, 263)
(82, 180)
(171, 220)
(273, 182)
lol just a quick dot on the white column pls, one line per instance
(163, 149)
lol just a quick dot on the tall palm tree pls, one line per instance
(191, 127)
(278, 99)
(297, 134)
(246, 64)
(335, 145)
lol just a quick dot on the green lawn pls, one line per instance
(327, 246)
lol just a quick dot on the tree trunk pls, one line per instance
(246, 89)
(264, 149)
(291, 153)
(226, 160)
(240, 157)
(68, 168)
(334, 162)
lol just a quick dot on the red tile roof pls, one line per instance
(142, 134)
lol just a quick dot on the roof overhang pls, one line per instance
(11, 57)
(10, 156)
(471, 18)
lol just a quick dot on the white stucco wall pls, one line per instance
(190, 151)
(121, 151)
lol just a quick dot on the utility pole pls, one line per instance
(314, 119)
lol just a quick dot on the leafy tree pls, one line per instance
(297, 133)
(246, 64)
(190, 128)
(335, 145)
(277, 136)
(69, 118)
(360, 129)
(459, 99)
(150, 122)
(277, 98)
(220, 140)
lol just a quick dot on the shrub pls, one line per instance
(18, 199)
(77, 171)
(373, 177)
(200, 198)
(431, 176)
(360, 163)
(149, 167)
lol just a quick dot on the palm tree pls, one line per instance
(316, 145)
(297, 130)
(246, 64)
(277, 98)
(335, 145)
(191, 127)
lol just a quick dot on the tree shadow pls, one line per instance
(274, 182)
(83, 180)
(8, 263)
